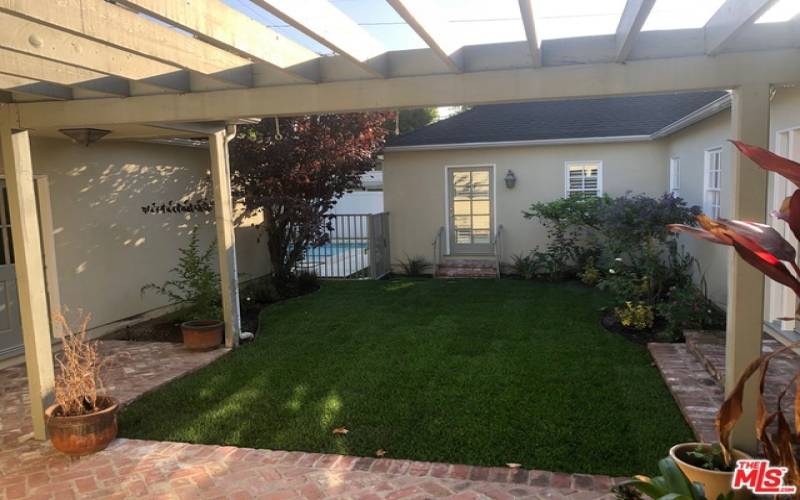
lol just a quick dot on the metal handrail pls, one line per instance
(497, 246)
(438, 243)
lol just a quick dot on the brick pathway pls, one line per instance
(695, 374)
(151, 469)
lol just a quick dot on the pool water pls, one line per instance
(333, 249)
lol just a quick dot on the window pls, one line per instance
(675, 175)
(713, 182)
(583, 178)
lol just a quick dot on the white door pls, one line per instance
(10, 330)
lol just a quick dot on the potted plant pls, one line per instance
(705, 464)
(672, 484)
(195, 285)
(81, 421)
(764, 248)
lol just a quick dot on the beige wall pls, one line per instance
(689, 146)
(106, 247)
(414, 187)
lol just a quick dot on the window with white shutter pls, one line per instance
(583, 178)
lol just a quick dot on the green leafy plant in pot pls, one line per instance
(195, 285)
(764, 248)
(81, 421)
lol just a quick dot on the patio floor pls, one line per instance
(151, 469)
(695, 373)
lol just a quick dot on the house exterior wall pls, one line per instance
(414, 187)
(106, 247)
(689, 146)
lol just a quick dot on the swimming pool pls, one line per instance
(334, 249)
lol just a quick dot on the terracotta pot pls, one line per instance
(714, 483)
(83, 434)
(202, 334)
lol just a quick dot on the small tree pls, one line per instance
(295, 174)
(407, 120)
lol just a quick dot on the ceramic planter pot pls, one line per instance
(83, 434)
(202, 334)
(714, 483)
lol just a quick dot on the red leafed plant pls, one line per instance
(764, 248)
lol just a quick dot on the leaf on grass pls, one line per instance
(380, 453)
(513, 465)
(340, 430)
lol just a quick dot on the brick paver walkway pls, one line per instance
(695, 374)
(151, 469)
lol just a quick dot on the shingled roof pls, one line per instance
(549, 120)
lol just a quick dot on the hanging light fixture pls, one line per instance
(84, 136)
(511, 180)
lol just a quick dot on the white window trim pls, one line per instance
(707, 209)
(675, 175)
(571, 163)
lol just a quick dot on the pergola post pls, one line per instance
(745, 315)
(226, 241)
(34, 315)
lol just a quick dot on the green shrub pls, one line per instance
(523, 266)
(416, 266)
(590, 275)
(196, 283)
(636, 316)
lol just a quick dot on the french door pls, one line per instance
(470, 210)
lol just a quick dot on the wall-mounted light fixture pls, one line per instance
(511, 180)
(84, 136)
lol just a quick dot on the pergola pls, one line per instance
(151, 68)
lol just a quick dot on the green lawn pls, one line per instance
(479, 372)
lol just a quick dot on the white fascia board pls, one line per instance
(698, 115)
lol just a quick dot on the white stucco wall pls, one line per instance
(106, 247)
(414, 187)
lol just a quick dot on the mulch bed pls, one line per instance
(643, 337)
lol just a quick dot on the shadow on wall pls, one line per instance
(107, 247)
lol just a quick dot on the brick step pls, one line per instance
(465, 272)
(469, 263)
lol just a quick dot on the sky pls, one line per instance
(493, 21)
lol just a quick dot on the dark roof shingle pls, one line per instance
(577, 118)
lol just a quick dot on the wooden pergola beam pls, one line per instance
(15, 157)
(36, 68)
(529, 22)
(18, 84)
(725, 71)
(730, 19)
(430, 24)
(119, 27)
(221, 25)
(29, 37)
(329, 26)
(630, 24)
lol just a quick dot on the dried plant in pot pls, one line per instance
(82, 420)
(764, 248)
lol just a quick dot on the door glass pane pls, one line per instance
(462, 207)
(480, 236)
(461, 221)
(480, 207)
(480, 222)
(463, 236)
